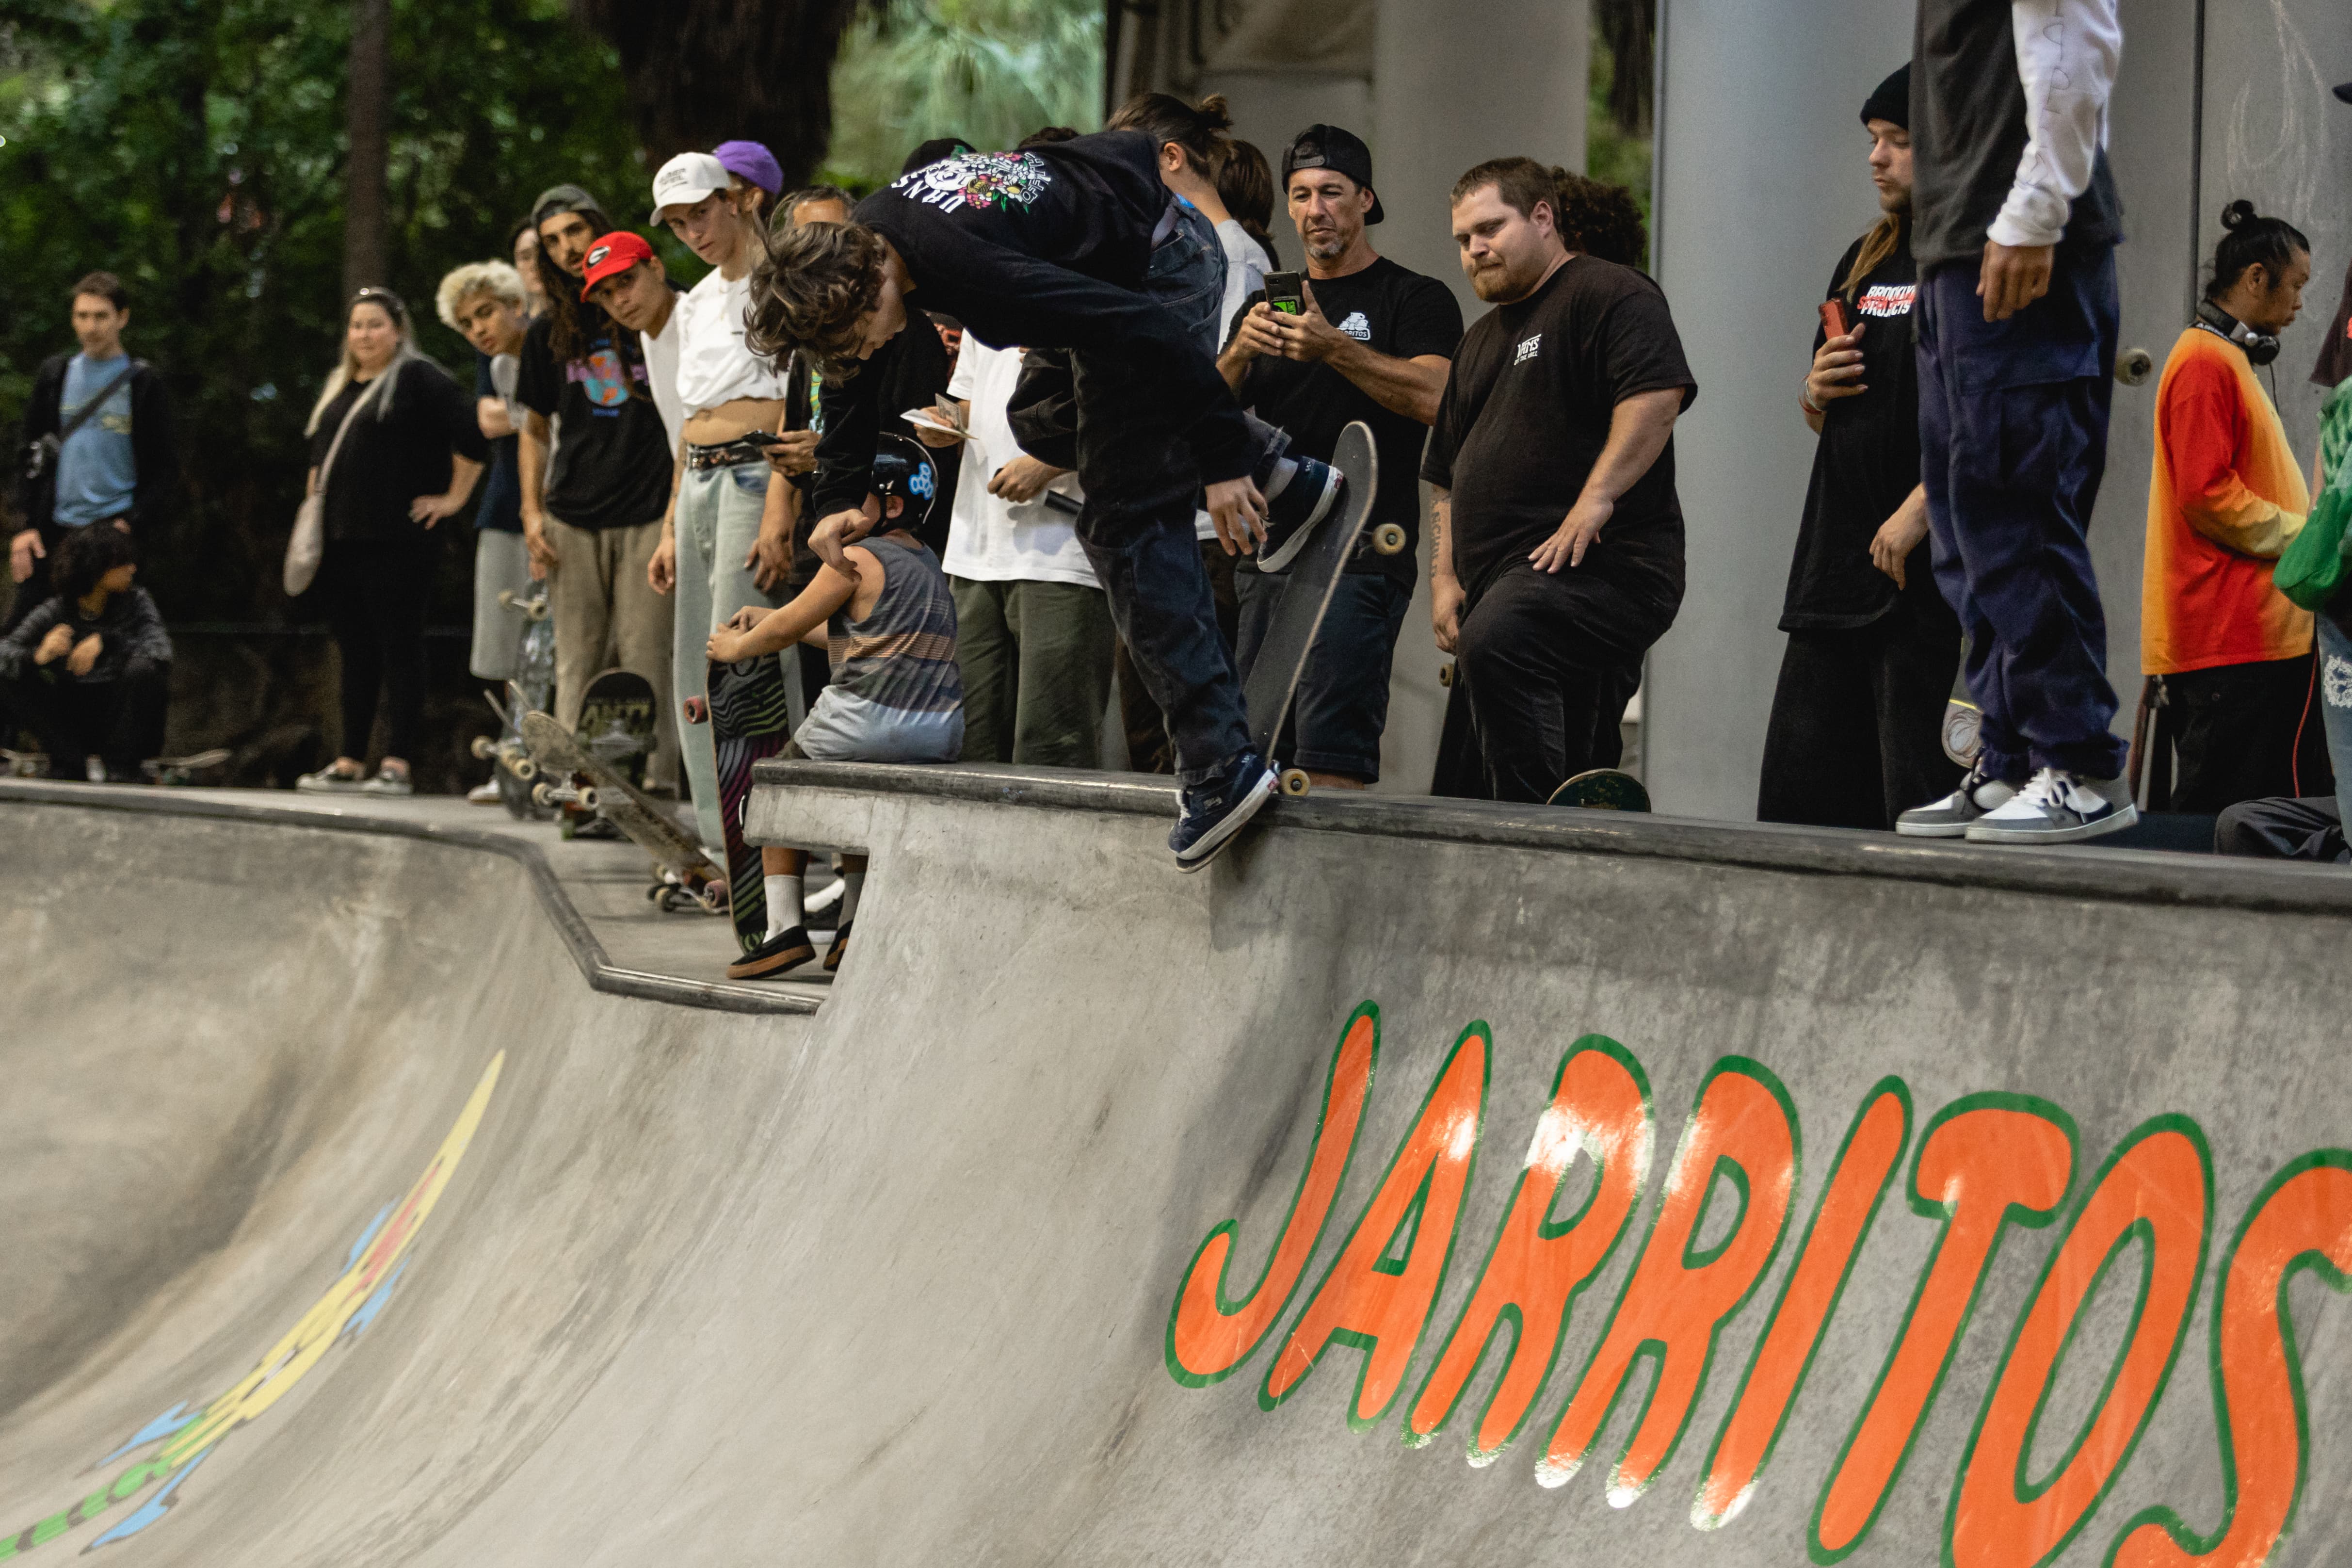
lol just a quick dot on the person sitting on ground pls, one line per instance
(889, 622)
(90, 669)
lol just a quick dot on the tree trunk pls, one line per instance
(364, 200)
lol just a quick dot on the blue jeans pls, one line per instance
(2013, 443)
(1342, 706)
(1142, 484)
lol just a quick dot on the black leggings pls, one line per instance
(376, 598)
(1856, 735)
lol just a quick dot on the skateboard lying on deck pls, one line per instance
(750, 713)
(531, 689)
(681, 871)
(1306, 588)
(154, 770)
(1603, 789)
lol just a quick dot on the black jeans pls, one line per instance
(2245, 732)
(1856, 732)
(119, 721)
(376, 594)
(2284, 828)
(1551, 660)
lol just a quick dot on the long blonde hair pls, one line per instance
(346, 368)
(1877, 245)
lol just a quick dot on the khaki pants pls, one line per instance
(606, 614)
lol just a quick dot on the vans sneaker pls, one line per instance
(326, 781)
(386, 782)
(2058, 807)
(781, 951)
(1949, 817)
(1212, 811)
(1313, 492)
(485, 794)
(840, 948)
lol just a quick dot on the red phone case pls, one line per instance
(1833, 318)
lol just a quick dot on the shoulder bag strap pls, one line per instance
(82, 416)
(327, 465)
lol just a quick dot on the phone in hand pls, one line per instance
(1286, 293)
(1833, 319)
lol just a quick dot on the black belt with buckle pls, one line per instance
(727, 454)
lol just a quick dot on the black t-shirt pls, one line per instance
(613, 459)
(1047, 248)
(1868, 462)
(394, 455)
(1526, 414)
(1394, 312)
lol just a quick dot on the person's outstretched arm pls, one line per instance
(2067, 53)
(752, 633)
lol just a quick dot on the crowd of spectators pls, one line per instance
(1128, 416)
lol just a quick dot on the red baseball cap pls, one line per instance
(610, 255)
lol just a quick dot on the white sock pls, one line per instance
(852, 884)
(1284, 468)
(783, 902)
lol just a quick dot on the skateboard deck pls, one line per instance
(750, 713)
(1307, 586)
(532, 689)
(1603, 789)
(182, 770)
(592, 784)
(616, 722)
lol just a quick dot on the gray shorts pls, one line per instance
(501, 564)
(845, 728)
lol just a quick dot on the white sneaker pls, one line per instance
(1950, 816)
(2058, 807)
(484, 793)
(388, 783)
(326, 781)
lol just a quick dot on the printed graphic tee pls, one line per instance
(98, 478)
(612, 469)
(1394, 312)
(1866, 463)
(1526, 414)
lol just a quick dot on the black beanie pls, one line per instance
(1892, 101)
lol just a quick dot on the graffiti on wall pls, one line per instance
(1980, 1169)
(181, 1439)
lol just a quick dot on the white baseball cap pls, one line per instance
(686, 180)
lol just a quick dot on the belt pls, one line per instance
(727, 454)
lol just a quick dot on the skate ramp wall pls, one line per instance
(1423, 1183)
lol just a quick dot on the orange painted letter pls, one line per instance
(2156, 1190)
(2301, 1219)
(1986, 1161)
(1600, 1107)
(1378, 1292)
(1677, 1298)
(1209, 1332)
(1849, 1202)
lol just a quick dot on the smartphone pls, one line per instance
(1286, 293)
(1834, 319)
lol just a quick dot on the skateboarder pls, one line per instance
(1088, 245)
(895, 696)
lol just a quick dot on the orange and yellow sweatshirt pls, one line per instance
(2226, 496)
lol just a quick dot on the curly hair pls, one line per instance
(810, 286)
(1600, 219)
(86, 554)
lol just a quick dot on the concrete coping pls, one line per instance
(595, 965)
(2078, 872)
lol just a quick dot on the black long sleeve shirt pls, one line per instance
(128, 627)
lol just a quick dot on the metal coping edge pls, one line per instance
(595, 966)
(2081, 872)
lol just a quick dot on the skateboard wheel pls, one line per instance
(586, 798)
(482, 748)
(541, 795)
(1296, 784)
(1445, 675)
(525, 769)
(1388, 539)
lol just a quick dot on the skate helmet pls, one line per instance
(904, 467)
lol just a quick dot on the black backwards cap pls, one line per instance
(1328, 147)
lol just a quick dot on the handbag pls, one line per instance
(308, 544)
(2312, 570)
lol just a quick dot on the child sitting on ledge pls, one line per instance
(896, 695)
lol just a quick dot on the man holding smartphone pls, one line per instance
(1359, 337)
(1856, 729)
(2015, 224)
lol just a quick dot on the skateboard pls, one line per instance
(574, 775)
(154, 770)
(531, 689)
(1603, 789)
(750, 713)
(1307, 585)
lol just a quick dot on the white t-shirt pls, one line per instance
(990, 538)
(661, 369)
(714, 366)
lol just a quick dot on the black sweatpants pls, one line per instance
(120, 720)
(1551, 660)
(1856, 732)
(2245, 732)
(377, 595)
(2284, 828)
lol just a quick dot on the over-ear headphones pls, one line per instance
(2261, 348)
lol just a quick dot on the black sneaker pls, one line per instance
(840, 946)
(1213, 810)
(1313, 492)
(769, 960)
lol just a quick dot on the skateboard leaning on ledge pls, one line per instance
(571, 774)
(749, 711)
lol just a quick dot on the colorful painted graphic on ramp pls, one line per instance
(373, 1267)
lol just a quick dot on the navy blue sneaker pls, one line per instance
(1313, 492)
(1213, 810)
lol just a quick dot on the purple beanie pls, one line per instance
(752, 162)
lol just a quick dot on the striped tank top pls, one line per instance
(896, 695)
